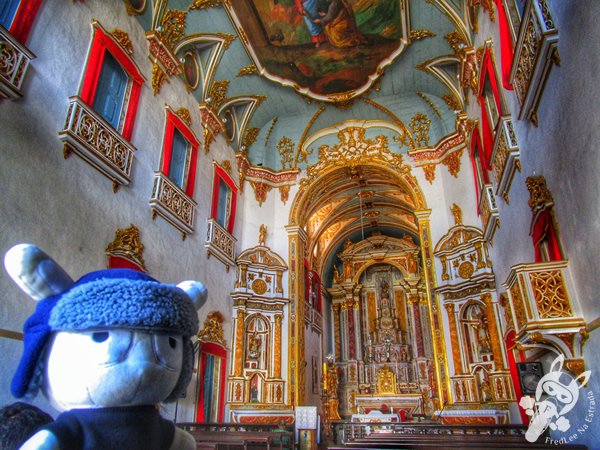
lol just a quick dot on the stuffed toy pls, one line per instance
(105, 349)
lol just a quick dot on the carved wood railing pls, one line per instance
(220, 243)
(248, 435)
(490, 218)
(88, 135)
(535, 52)
(14, 62)
(172, 204)
(505, 156)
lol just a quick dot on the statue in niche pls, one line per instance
(337, 277)
(254, 344)
(482, 333)
(412, 264)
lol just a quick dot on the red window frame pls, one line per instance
(221, 174)
(507, 50)
(216, 350)
(22, 23)
(488, 72)
(174, 122)
(476, 148)
(102, 43)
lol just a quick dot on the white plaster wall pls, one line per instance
(68, 208)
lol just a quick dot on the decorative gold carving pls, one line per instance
(239, 343)
(527, 59)
(301, 152)
(575, 366)
(123, 39)
(204, 4)
(259, 286)
(550, 294)
(218, 93)
(249, 137)
(539, 195)
(404, 137)
(386, 381)
(184, 114)
(456, 41)
(285, 147)
(452, 102)
(226, 165)
(452, 161)
(270, 130)
(212, 330)
(465, 270)
(262, 234)
(277, 350)
(158, 78)
(490, 314)
(457, 213)
(429, 170)
(430, 103)
(353, 150)
(416, 35)
(517, 300)
(420, 127)
(227, 39)
(173, 27)
(248, 70)
(127, 244)
(284, 192)
(260, 191)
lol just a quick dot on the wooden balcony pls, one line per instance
(505, 156)
(172, 204)
(220, 243)
(14, 62)
(89, 136)
(535, 52)
(490, 218)
(543, 311)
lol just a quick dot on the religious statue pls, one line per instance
(457, 212)
(254, 342)
(337, 277)
(483, 336)
(262, 234)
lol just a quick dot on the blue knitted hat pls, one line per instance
(119, 298)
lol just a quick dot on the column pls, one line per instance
(239, 343)
(413, 299)
(456, 355)
(493, 330)
(336, 331)
(297, 364)
(351, 331)
(277, 350)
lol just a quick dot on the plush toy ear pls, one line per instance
(196, 291)
(38, 275)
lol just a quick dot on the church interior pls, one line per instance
(390, 202)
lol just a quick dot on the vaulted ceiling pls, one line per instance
(391, 67)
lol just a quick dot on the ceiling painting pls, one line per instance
(329, 50)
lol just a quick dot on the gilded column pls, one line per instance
(437, 333)
(336, 331)
(493, 330)
(243, 272)
(351, 330)
(297, 364)
(239, 343)
(456, 355)
(277, 350)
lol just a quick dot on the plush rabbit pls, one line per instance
(105, 349)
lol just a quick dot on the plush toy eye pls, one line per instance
(168, 350)
(100, 336)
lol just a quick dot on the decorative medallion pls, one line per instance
(331, 59)
(465, 270)
(191, 71)
(259, 286)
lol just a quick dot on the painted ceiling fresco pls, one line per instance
(326, 49)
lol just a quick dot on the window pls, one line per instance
(491, 102)
(17, 17)
(110, 92)
(112, 83)
(180, 153)
(224, 199)
(480, 172)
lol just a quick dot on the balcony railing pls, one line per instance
(490, 217)
(89, 136)
(172, 204)
(14, 62)
(535, 52)
(505, 156)
(220, 243)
